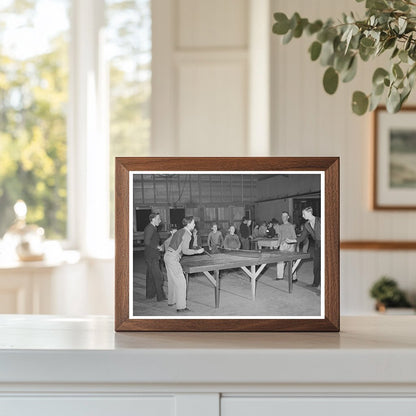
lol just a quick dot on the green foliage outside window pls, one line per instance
(129, 43)
(34, 103)
(33, 99)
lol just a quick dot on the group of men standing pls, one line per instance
(179, 243)
(287, 239)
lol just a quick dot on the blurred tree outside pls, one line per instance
(33, 99)
(129, 48)
(34, 71)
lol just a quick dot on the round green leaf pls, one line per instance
(412, 70)
(389, 43)
(403, 56)
(367, 42)
(322, 36)
(359, 103)
(403, 96)
(314, 27)
(351, 71)
(376, 4)
(366, 53)
(411, 76)
(294, 20)
(412, 52)
(315, 50)
(393, 101)
(330, 80)
(298, 30)
(378, 90)
(395, 52)
(281, 27)
(342, 61)
(288, 37)
(408, 42)
(327, 54)
(397, 71)
(374, 102)
(400, 5)
(379, 75)
(355, 41)
(332, 33)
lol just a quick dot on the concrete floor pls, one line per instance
(272, 296)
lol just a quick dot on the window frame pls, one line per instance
(88, 133)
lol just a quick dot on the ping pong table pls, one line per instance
(272, 243)
(250, 261)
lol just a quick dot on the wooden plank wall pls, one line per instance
(210, 198)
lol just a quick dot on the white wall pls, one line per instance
(284, 187)
(201, 59)
(205, 81)
(289, 185)
(308, 122)
(265, 211)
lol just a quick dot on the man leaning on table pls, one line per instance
(179, 245)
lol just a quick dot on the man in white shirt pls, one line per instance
(286, 230)
(179, 245)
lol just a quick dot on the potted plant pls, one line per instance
(387, 294)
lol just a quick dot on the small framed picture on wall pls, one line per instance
(394, 178)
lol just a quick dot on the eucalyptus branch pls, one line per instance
(388, 26)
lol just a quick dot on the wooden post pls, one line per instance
(289, 272)
(253, 282)
(217, 288)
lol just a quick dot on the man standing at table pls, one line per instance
(152, 249)
(244, 234)
(313, 228)
(263, 229)
(215, 239)
(167, 241)
(231, 241)
(178, 246)
(286, 230)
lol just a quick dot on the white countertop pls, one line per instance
(52, 349)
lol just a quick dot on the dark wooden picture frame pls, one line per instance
(328, 165)
(379, 129)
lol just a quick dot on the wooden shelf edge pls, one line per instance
(377, 245)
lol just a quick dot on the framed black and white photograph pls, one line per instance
(233, 244)
(394, 179)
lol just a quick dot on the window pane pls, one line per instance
(34, 37)
(129, 46)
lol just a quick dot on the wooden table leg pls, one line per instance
(253, 282)
(217, 288)
(290, 275)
